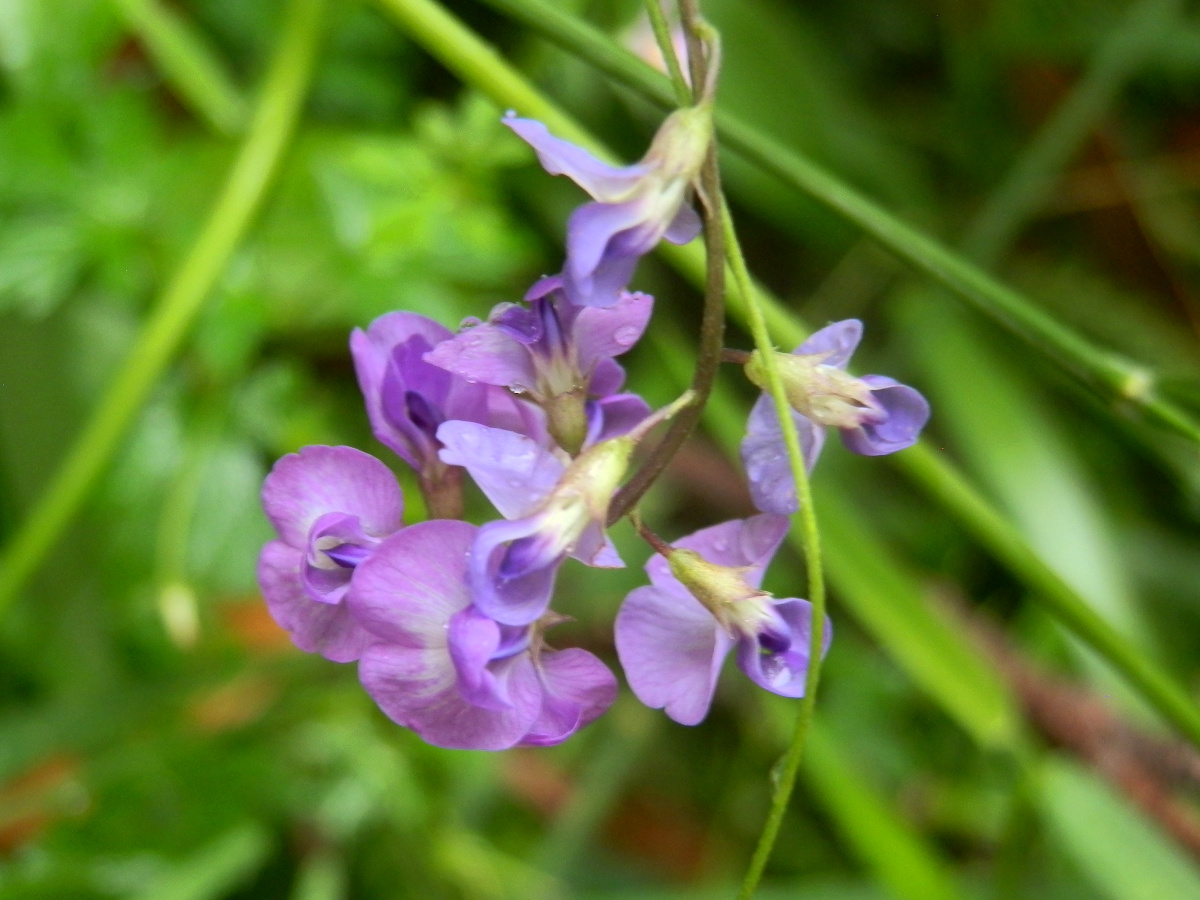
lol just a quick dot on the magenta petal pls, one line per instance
(514, 472)
(327, 629)
(417, 688)
(671, 649)
(839, 340)
(576, 689)
(610, 184)
(601, 334)
(740, 543)
(784, 673)
(304, 486)
(488, 354)
(685, 226)
(415, 581)
(765, 458)
(905, 413)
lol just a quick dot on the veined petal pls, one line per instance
(839, 340)
(748, 544)
(327, 629)
(602, 333)
(486, 353)
(417, 688)
(514, 471)
(576, 689)
(304, 486)
(523, 597)
(609, 184)
(413, 583)
(765, 458)
(671, 649)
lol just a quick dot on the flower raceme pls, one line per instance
(704, 601)
(874, 414)
(634, 206)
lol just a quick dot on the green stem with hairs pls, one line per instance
(258, 159)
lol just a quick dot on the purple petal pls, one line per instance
(604, 244)
(601, 334)
(327, 569)
(839, 340)
(414, 582)
(486, 353)
(610, 184)
(607, 378)
(671, 649)
(749, 543)
(577, 688)
(327, 629)
(765, 458)
(514, 472)
(783, 673)
(906, 412)
(473, 640)
(685, 226)
(594, 548)
(615, 416)
(521, 595)
(304, 486)
(417, 688)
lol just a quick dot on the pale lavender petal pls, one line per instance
(765, 458)
(513, 470)
(839, 340)
(607, 378)
(508, 412)
(415, 581)
(473, 639)
(671, 649)
(740, 543)
(906, 412)
(327, 629)
(417, 688)
(783, 672)
(685, 226)
(512, 570)
(318, 480)
(489, 354)
(577, 689)
(604, 244)
(558, 157)
(594, 548)
(601, 334)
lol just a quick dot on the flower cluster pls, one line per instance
(448, 620)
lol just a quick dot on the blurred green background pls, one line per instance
(160, 738)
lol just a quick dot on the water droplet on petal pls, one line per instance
(626, 335)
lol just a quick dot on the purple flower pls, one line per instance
(555, 507)
(558, 354)
(456, 677)
(635, 206)
(331, 506)
(875, 415)
(408, 398)
(673, 635)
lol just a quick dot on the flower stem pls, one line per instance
(812, 554)
(270, 133)
(662, 36)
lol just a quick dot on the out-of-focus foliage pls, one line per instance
(159, 737)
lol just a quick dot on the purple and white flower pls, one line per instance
(635, 206)
(875, 415)
(673, 635)
(456, 677)
(407, 399)
(553, 507)
(559, 355)
(331, 506)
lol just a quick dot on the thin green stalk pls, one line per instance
(478, 65)
(189, 65)
(812, 554)
(662, 36)
(1117, 379)
(270, 133)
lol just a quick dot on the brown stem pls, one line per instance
(738, 357)
(661, 547)
(442, 490)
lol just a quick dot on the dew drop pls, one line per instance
(626, 335)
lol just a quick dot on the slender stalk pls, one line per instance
(189, 65)
(812, 556)
(270, 133)
(1117, 379)
(480, 66)
(662, 36)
